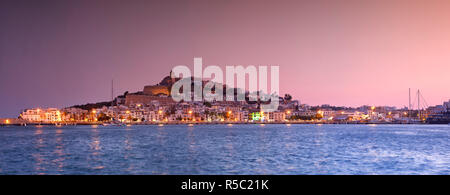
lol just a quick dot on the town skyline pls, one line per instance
(343, 54)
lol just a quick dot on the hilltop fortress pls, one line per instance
(159, 92)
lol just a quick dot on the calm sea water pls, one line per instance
(222, 149)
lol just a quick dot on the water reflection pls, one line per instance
(320, 149)
(39, 165)
(162, 155)
(229, 148)
(59, 150)
(262, 149)
(192, 149)
(95, 147)
(222, 149)
(128, 150)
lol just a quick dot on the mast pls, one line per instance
(409, 105)
(418, 103)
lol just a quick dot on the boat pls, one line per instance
(439, 118)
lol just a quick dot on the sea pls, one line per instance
(245, 149)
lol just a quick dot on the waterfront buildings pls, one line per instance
(157, 112)
(48, 115)
(154, 105)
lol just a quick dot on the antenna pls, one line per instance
(112, 92)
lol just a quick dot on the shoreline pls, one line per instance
(215, 123)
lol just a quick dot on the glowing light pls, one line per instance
(190, 111)
(229, 112)
(256, 116)
(94, 111)
(7, 121)
(288, 112)
(128, 112)
(373, 108)
(160, 112)
(320, 113)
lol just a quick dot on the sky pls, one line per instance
(347, 53)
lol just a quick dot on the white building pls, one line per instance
(49, 115)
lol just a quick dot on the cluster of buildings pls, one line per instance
(238, 112)
(154, 105)
(160, 112)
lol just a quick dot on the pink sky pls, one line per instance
(346, 53)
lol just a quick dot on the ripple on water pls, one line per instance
(226, 149)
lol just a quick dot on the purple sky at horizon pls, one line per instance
(346, 53)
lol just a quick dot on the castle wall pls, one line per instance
(132, 99)
(156, 90)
